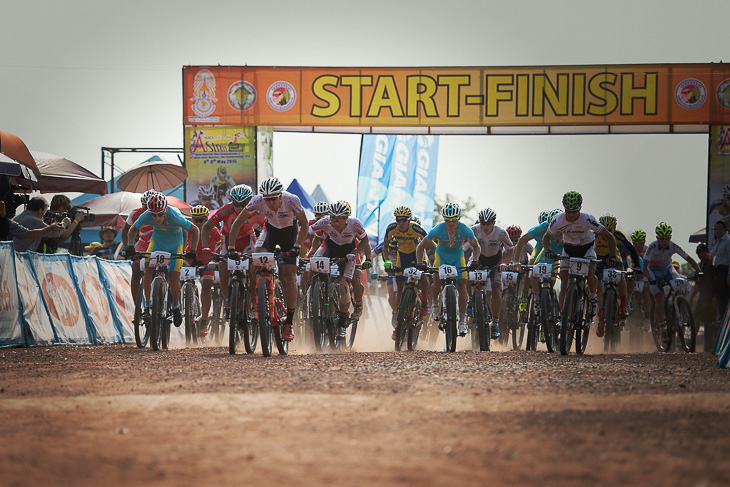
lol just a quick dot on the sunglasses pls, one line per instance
(338, 218)
(272, 198)
(451, 219)
(402, 218)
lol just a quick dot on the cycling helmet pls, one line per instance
(638, 234)
(402, 211)
(543, 216)
(554, 213)
(146, 196)
(415, 219)
(206, 191)
(608, 221)
(487, 215)
(241, 193)
(663, 230)
(726, 190)
(514, 232)
(270, 188)
(321, 208)
(199, 211)
(157, 203)
(675, 264)
(451, 210)
(572, 201)
(340, 208)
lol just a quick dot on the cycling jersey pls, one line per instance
(446, 245)
(353, 229)
(284, 217)
(659, 258)
(407, 241)
(492, 244)
(537, 233)
(167, 235)
(226, 215)
(144, 233)
(583, 231)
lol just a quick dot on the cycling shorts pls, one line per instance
(455, 260)
(284, 238)
(176, 263)
(404, 260)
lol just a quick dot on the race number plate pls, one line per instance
(412, 273)
(543, 271)
(478, 276)
(611, 275)
(264, 259)
(187, 273)
(159, 258)
(320, 264)
(447, 271)
(238, 265)
(639, 286)
(579, 267)
(509, 278)
(678, 284)
(334, 270)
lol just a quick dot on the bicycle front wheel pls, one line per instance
(234, 315)
(610, 320)
(217, 327)
(481, 322)
(663, 343)
(141, 329)
(547, 319)
(685, 324)
(158, 309)
(570, 314)
(334, 316)
(280, 312)
(250, 326)
(264, 317)
(451, 318)
(318, 314)
(506, 315)
(405, 317)
(188, 297)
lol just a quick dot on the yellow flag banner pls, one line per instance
(653, 94)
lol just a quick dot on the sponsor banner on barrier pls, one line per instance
(59, 292)
(34, 307)
(11, 331)
(94, 298)
(116, 276)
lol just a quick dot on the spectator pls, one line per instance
(32, 219)
(704, 292)
(18, 231)
(720, 255)
(60, 204)
(108, 246)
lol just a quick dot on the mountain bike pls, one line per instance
(613, 322)
(141, 330)
(271, 308)
(543, 310)
(449, 298)
(481, 284)
(217, 319)
(301, 311)
(678, 317)
(509, 316)
(242, 325)
(190, 302)
(409, 319)
(635, 310)
(577, 314)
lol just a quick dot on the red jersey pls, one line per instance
(145, 233)
(214, 239)
(227, 215)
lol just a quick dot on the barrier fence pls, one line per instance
(63, 299)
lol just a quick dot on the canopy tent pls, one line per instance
(307, 201)
(319, 195)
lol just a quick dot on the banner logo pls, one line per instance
(61, 299)
(123, 296)
(723, 93)
(94, 295)
(281, 96)
(242, 95)
(203, 93)
(722, 146)
(690, 93)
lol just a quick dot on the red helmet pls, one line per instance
(157, 203)
(514, 232)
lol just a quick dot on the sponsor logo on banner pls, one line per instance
(722, 144)
(242, 95)
(123, 297)
(723, 93)
(61, 299)
(93, 293)
(690, 93)
(281, 96)
(203, 96)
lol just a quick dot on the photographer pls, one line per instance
(20, 233)
(59, 212)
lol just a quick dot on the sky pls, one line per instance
(79, 75)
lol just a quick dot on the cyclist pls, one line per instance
(658, 266)
(492, 241)
(515, 233)
(344, 235)
(282, 210)
(407, 234)
(199, 214)
(624, 248)
(387, 253)
(144, 239)
(168, 225)
(241, 195)
(451, 235)
(206, 193)
(579, 231)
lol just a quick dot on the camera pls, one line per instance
(71, 214)
(12, 200)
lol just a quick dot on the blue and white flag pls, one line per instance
(396, 171)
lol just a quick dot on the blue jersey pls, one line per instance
(449, 247)
(168, 235)
(538, 232)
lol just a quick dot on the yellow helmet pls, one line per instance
(608, 221)
(199, 211)
(402, 212)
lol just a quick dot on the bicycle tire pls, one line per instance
(451, 318)
(547, 319)
(506, 318)
(481, 323)
(404, 318)
(610, 321)
(217, 329)
(250, 326)
(582, 330)
(318, 314)
(570, 311)
(352, 334)
(334, 316)
(187, 294)
(685, 324)
(234, 317)
(156, 317)
(532, 324)
(265, 331)
(167, 319)
(141, 330)
(282, 346)
(661, 345)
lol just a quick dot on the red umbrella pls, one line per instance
(112, 209)
(159, 175)
(15, 149)
(58, 174)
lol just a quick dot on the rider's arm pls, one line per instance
(125, 233)
(521, 245)
(546, 240)
(303, 228)
(611, 242)
(240, 219)
(206, 232)
(194, 236)
(425, 244)
(364, 247)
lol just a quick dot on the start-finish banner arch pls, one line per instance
(532, 99)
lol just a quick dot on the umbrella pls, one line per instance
(111, 210)
(159, 175)
(15, 149)
(58, 174)
(10, 167)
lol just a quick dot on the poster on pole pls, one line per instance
(718, 199)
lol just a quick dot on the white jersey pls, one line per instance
(284, 217)
(491, 244)
(659, 258)
(353, 229)
(583, 231)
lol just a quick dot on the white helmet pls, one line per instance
(206, 191)
(340, 208)
(487, 215)
(270, 187)
(451, 210)
(321, 208)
